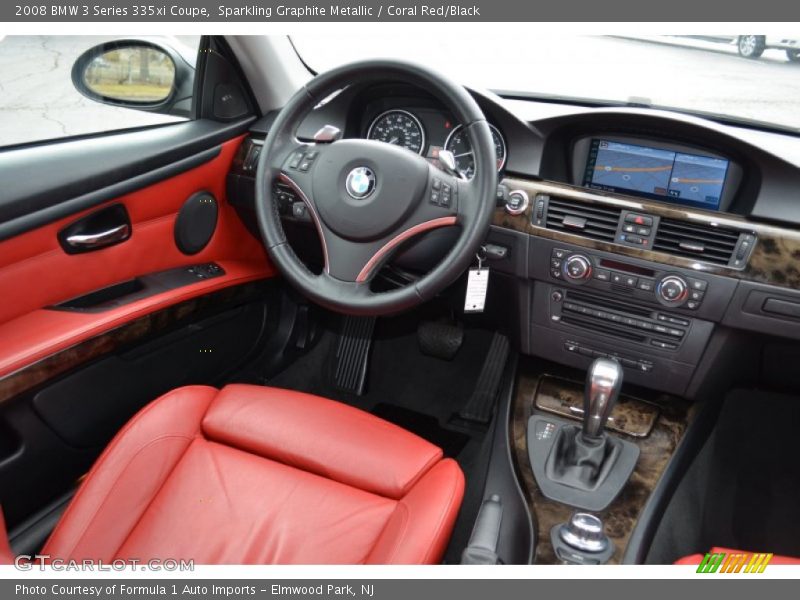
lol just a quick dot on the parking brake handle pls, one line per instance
(482, 547)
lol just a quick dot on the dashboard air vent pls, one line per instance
(588, 220)
(701, 241)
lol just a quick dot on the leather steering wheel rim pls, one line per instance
(472, 209)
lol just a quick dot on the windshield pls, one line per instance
(752, 78)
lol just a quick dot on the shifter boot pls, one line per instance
(578, 462)
(569, 469)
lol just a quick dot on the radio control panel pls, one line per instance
(632, 322)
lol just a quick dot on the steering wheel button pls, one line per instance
(299, 210)
(298, 156)
(435, 198)
(311, 155)
(437, 184)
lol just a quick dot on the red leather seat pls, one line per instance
(696, 559)
(254, 475)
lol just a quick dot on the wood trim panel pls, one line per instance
(775, 259)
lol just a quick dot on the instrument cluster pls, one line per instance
(428, 131)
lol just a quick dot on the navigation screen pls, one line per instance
(656, 173)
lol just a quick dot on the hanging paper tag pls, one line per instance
(477, 284)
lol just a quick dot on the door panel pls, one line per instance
(37, 273)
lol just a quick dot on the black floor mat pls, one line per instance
(408, 382)
(425, 426)
(743, 489)
(757, 450)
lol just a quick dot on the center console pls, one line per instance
(590, 458)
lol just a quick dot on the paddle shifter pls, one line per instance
(603, 383)
(584, 466)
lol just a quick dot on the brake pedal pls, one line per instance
(352, 354)
(440, 339)
(480, 406)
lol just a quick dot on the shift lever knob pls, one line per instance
(603, 383)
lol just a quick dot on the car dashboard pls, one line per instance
(632, 233)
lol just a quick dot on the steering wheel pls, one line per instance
(367, 197)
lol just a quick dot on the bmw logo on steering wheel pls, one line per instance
(360, 182)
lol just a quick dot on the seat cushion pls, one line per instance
(6, 555)
(314, 434)
(256, 475)
(696, 559)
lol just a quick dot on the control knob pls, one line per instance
(584, 532)
(578, 268)
(672, 290)
(516, 202)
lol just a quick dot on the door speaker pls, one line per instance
(196, 222)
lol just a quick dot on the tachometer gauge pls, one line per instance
(398, 127)
(458, 143)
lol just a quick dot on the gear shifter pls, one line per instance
(603, 383)
(585, 466)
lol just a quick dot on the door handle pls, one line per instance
(86, 241)
(97, 230)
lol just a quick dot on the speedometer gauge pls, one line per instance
(458, 143)
(398, 127)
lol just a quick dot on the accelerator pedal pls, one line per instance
(352, 354)
(480, 407)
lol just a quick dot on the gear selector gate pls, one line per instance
(583, 466)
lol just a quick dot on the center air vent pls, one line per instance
(589, 220)
(700, 241)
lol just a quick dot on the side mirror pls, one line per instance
(138, 74)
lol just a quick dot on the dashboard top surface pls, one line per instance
(540, 140)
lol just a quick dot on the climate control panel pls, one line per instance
(673, 290)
